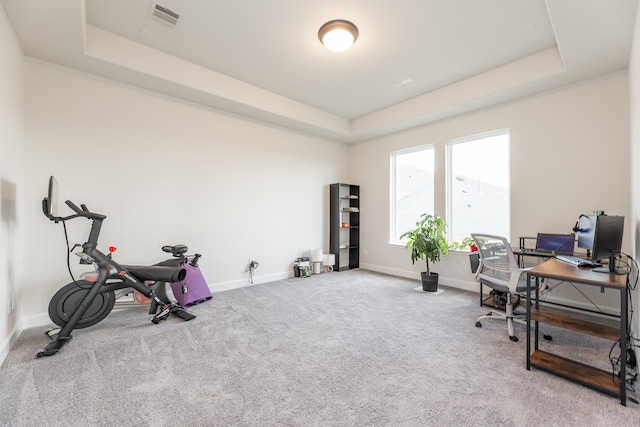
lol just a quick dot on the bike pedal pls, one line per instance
(183, 314)
(158, 319)
(162, 315)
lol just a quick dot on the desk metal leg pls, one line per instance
(623, 346)
(537, 305)
(535, 322)
(528, 322)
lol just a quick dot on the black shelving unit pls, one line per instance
(344, 225)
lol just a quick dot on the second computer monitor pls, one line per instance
(586, 231)
(607, 241)
(602, 236)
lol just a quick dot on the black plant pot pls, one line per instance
(474, 260)
(429, 283)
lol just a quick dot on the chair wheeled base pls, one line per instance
(510, 317)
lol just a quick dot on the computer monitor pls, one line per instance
(556, 244)
(607, 241)
(50, 203)
(586, 229)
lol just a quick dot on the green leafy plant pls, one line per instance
(464, 244)
(427, 241)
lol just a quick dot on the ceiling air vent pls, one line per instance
(164, 15)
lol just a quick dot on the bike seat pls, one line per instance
(175, 250)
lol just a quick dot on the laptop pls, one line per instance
(555, 244)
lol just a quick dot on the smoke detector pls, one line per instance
(164, 15)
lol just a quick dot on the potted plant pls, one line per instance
(465, 244)
(469, 244)
(428, 242)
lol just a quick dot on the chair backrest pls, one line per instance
(498, 268)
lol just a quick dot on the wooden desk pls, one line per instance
(575, 371)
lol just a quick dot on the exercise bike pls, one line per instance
(84, 303)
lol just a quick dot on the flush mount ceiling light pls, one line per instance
(338, 35)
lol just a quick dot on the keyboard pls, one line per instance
(580, 262)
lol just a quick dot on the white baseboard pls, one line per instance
(8, 343)
(42, 319)
(454, 283)
(235, 284)
(474, 287)
(36, 320)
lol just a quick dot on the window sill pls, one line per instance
(397, 245)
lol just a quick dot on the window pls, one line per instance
(478, 185)
(412, 194)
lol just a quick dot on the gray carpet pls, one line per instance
(353, 348)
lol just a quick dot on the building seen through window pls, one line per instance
(412, 188)
(478, 185)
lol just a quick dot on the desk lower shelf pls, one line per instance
(577, 372)
(562, 320)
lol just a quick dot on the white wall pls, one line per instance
(11, 184)
(166, 172)
(561, 141)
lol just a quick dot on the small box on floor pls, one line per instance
(302, 267)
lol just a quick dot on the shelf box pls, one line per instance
(344, 225)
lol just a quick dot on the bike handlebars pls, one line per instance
(83, 212)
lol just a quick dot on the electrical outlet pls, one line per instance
(253, 264)
(10, 303)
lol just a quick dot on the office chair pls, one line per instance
(499, 270)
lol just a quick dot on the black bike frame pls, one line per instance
(109, 269)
